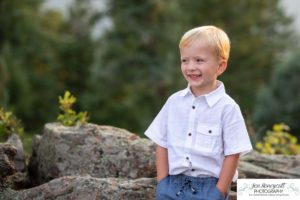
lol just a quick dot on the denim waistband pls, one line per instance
(180, 178)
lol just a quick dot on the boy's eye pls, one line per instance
(199, 60)
(183, 60)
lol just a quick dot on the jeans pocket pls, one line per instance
(219, 194)
(161, 188)
(162, 180)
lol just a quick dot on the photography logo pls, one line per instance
(264, 189)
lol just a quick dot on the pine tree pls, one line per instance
(26, 52)
(130, 76)
(44, 54)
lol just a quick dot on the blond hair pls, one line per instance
(214, 36)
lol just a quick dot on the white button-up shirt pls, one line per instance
(200, 131)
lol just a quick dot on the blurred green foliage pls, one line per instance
(9, 124)
(124, 76)
(69, 116)
(139, 62)
(43, 55)
(280, 99)
(279, 141)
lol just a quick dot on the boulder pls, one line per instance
(19, 158)
(256, 165)
(12, 164)
(87, 188)
(99, 151)
(104, 162)
(7, 165)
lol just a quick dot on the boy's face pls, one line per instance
(201, 66)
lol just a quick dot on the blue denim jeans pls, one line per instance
(188, 188)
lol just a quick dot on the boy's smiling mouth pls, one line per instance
(194, 76)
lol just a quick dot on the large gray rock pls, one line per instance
(19, 158)
(103, 162)
(87, 188)
(100, 151)
(12, 165)
(256, 165)
(7, 166)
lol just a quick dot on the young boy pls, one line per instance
(200, 132)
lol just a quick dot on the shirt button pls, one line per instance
(190, 134)
(193, 107)
(193, 170)
(187, 158)
(209, 131)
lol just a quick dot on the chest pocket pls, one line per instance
(208, 139)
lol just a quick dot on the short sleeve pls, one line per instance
(157, 131)
(235, 135)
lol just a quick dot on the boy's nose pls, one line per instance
(191, 66)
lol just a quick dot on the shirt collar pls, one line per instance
(211, 98)
(186, 91)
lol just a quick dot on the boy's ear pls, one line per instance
(222, 67)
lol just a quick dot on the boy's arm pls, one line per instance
(162, 165)
(227, 172)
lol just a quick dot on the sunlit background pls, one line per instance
(120, 58)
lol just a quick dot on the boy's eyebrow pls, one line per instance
(202, 57)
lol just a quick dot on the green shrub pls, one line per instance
(279, 141)
(69, 116)
(9, 124)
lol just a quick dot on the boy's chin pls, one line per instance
(194, 84)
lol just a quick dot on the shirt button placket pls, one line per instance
(188, 142)
(192, 119)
